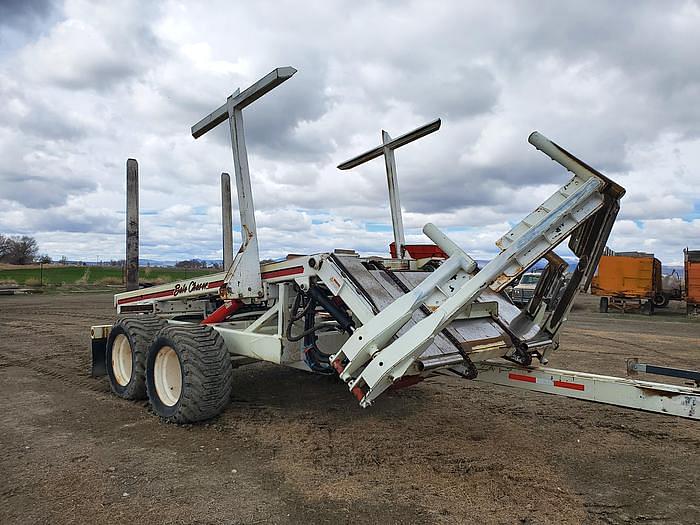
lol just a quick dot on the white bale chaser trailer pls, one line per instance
(377, 323)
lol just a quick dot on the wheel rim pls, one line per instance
(167, 376)
(121, 360)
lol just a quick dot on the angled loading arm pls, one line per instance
(374, 357)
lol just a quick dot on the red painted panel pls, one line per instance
(420, 251)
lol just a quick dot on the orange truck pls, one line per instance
(629, 281)
(691, 267)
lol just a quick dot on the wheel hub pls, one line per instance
(167, 376)
(122, 360)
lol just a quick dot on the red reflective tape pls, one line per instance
(572, 386)
(294, 270)
(520, 377)
(216, 284)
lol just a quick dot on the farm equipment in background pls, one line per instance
(691, 267)
(629, 281)
(376, 323)
(671, 288)
(525, 289)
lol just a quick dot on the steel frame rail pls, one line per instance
(648, 396)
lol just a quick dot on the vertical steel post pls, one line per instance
(394, 202)
(132, 224)
(250, 283)
(226, 220)
(243, 278)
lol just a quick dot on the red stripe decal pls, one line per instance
(520, 377)
(294, 270)
(572, 386)
(145, 296)
(165, 293)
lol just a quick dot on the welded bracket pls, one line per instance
(98, 347)
(243, 278)
(634, 367)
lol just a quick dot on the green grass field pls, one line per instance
(56, 275)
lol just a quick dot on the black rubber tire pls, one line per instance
(207, 374)
(661, 300)
(603, 307)
(140, 330)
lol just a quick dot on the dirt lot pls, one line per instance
(296, 448)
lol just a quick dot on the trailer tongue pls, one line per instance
(375, 322)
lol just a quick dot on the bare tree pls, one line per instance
(5, 248)
(18, 250)
(26, 250)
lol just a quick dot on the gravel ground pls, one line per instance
(296, 448)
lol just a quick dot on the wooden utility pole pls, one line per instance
(132, 224)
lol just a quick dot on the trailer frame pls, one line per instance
(388, 321)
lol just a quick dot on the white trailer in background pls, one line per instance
(377, 323)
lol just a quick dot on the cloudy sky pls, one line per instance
(86, 85)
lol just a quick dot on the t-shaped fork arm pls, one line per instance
(387, 149)
(243, 276)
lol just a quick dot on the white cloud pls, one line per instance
(92, 84)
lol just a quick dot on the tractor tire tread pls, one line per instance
(207, 373)
(140, 329)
